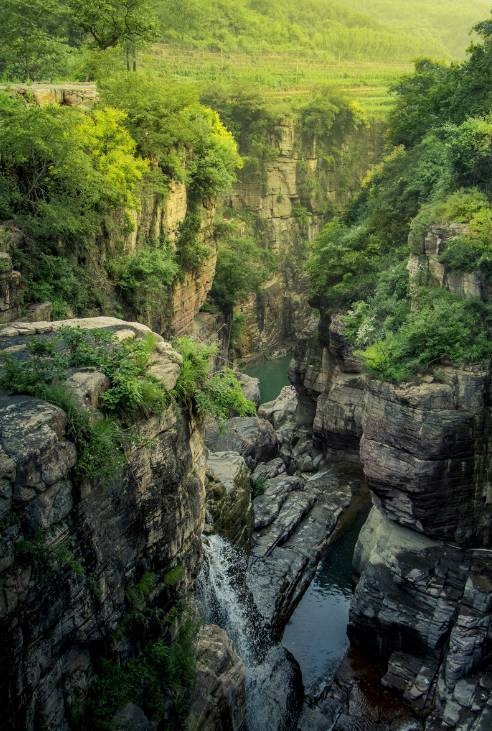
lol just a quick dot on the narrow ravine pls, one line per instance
(280, 674)
(317, 632)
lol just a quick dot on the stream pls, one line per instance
(315, 636)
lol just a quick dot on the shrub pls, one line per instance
(444, 327)
(468, 251)
(213, 394)
(145, 277)
(132, 392)
(242, 266)
(57, 279)
(63, 170)
(160, 680)
(191, 252)
(171, 127)
(343, 263)
(384, 312)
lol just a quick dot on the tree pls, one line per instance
(33, 39)
(110, 23)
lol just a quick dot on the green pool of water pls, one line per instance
(273, 375)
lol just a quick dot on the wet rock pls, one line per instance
(251, 437)
(277, 684)
(276, 490)
(228, 486)
(219, 703)
(295, 521)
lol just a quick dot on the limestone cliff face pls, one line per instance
(158, 216)
(423, 600)
(71, 550)
(287, 199)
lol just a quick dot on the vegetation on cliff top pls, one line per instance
(69, 179)
(132, 391)
(439, 172)
(280, 47)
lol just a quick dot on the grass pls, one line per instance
(281, 79)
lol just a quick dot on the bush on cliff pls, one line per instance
(242, 266)
(185, 138)
(132, 391)
(216, 394)
(62, 171)
(443, 327)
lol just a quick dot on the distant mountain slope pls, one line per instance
(333, 29)
(448, 21)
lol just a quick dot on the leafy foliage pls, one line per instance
(439, 174)
(171, 127)
(160, 681)
(242, 266)
(213, 394)
(444, 327)
(62, 171)
(34, 39)
(145, 276)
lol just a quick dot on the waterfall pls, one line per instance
(272, 681)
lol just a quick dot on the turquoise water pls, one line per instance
(273, 375)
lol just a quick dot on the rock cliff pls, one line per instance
(422, 605)
(81, 562)
(286, 201)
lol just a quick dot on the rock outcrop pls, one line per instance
(252, 438)
(295, 521)
(228, 486)
(220, 697)
(72, 550)
(422, 606)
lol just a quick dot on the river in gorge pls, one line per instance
(316, 633)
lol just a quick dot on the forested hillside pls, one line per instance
(336, 29)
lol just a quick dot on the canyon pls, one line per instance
(234, 517)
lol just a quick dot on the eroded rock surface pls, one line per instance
(295, 520)
(228, 487)
(219, 703)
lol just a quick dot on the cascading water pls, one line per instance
(272, 684)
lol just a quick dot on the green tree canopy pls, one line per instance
(109, 23)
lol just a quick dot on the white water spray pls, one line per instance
(226, 602)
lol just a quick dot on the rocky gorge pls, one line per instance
(159, 598)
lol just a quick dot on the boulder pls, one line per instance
(250, 387)
(267, 470)
(228, 488)
(86, 386)
(219, 702)
(249, 436)
(282, 410)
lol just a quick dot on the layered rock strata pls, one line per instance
(72, 551)
(422, 605)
